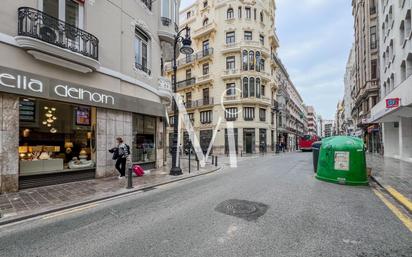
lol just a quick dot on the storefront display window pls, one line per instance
(144, 143)
(55, 137)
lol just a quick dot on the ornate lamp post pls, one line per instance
(187, 50)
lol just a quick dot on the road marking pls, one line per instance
(401, 198)
(406, 221)
(53, 215)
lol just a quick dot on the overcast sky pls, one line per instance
(315, 39)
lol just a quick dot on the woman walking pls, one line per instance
(120, 154)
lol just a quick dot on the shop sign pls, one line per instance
(341, 160)
(392, 103)
(32, 85)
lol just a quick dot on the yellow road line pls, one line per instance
(406, 221)
(53, 215)
(401, 198)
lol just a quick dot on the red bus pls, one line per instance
(305, 142)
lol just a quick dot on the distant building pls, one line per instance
(327, 127)
(365, 93)
(311, 121)
(349, 83)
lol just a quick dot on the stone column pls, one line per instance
(9, 143)
(110, 125)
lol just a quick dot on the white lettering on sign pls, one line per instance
(342, 161)
(21, 82)
(82, 94)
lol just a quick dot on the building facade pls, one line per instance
(71, 82)
(349, 83)
(312, 120)
(327, 128)
(230, 76)
(365, 93)
(394, 110)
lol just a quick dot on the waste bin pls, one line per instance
(315, 153)
(342, 160)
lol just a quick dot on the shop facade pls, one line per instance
(57, 131)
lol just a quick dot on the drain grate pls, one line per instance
(243, 209)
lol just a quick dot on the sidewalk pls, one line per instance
(392, 173)
(32, 202)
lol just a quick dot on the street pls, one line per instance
(304, 217)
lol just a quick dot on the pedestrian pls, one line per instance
(120, 154)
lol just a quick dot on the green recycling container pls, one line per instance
(342, 161)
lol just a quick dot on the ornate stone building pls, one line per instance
(231, 75)
(72, 81)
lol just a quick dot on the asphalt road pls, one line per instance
(304, 217)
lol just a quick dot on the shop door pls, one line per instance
(235, 131)
(249, 140)
(205, 138)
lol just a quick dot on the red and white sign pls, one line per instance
(392, 103)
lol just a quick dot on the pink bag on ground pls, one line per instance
(138, 170)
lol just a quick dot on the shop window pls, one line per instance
(144, 140)
(55, 137)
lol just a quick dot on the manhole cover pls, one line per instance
(242, 209)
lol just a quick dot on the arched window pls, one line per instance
(245, 60)
(258, 88)
(245, 88)
(205, 21)
(252, 87)
(230, 13)
(257, 61)
(251, 60)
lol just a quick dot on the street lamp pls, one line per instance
(187, 50)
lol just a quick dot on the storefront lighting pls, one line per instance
(48, 115)
(46, 108)
(53, 130)
(54, 118)
(48, 125)
(53, 109)
(44, 122)
(50, 120)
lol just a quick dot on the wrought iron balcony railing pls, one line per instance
(39, 25)
(186, 82)
(204, 102)
(204, 53)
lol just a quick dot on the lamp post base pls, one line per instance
(175, 171)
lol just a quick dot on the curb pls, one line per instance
(395, 195)
(29, 216)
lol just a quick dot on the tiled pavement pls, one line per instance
(392, 172)
(43, 199)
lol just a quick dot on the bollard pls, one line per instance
(129, 179)
(216, 161)
(189, 158)
(213, 160)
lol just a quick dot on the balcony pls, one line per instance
(165, 88)
(204, 102)
(205, 30)
(186, 83)
(167, 30)
(52, 40)
(205, 79)
(231, 74)
(231, 47)
(204, 54)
